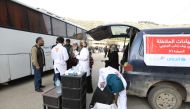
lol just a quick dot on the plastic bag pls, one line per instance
(75, 70)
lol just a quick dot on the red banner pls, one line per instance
(158, 44)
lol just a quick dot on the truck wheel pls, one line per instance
(164, 97)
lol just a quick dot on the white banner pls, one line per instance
(167, 50)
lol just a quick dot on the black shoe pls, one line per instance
(42, 86)
(39, 90)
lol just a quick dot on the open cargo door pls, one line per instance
(112, 31)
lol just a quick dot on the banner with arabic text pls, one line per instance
(167, 50)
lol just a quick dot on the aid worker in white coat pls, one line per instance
(83, 58)
(60, 56)
(103, 74)
(98, 97)
(84, 63)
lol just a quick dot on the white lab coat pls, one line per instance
(84, 60)
(60, 56)
(122, 98)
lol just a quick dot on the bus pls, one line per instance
(20, 25)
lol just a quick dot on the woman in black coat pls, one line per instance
(113, 57)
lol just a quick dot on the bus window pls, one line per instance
(79, 35)
(59, 27)
(46, 27)
(79, 30)
(17, 16)
(3, 14)
(71, 30)
(84, 34)
(34, 21)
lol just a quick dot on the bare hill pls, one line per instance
(141, 24)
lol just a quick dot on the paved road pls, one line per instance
(19, 94)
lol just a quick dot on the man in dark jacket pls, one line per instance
(38, 62)
(68, 46)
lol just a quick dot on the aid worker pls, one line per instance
(110, 83)
(83, 57)
(84, 62)
(60, 56)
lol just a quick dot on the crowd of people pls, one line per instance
(64, 56)
(111, 84)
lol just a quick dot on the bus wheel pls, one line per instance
(165, 97)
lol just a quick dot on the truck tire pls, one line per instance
(165, 97)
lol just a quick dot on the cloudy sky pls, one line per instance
(159, 11)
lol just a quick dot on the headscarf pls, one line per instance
(113, 48)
